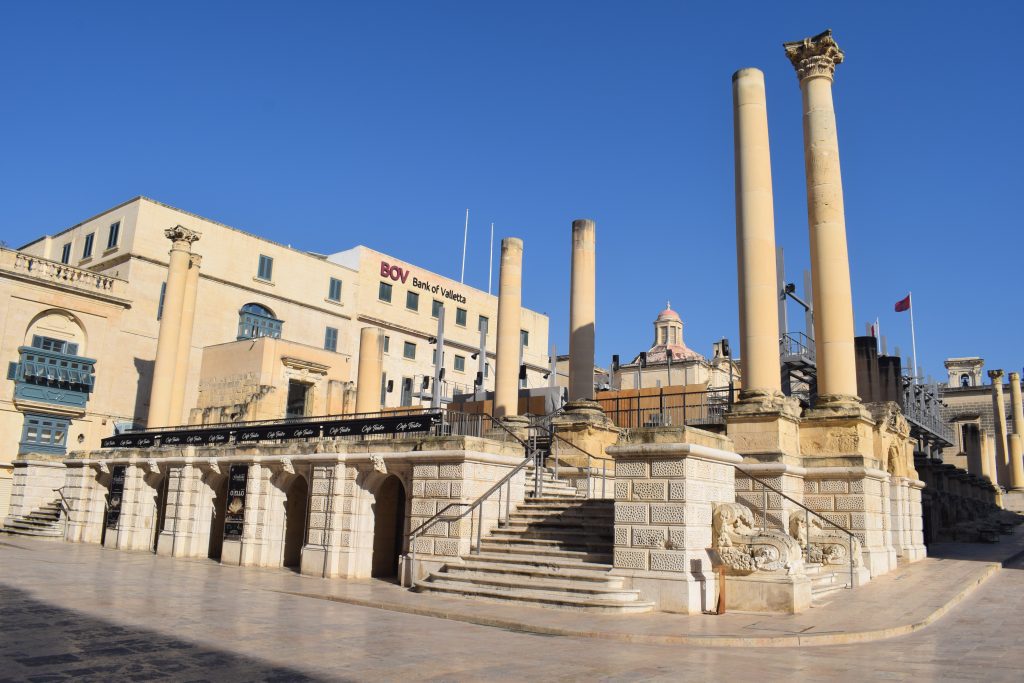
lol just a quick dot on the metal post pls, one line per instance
(807, 526)
(435, 396)
(479, 525)
(851, 561)
(499, 506)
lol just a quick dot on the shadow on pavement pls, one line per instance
(44, 642)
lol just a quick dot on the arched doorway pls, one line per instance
(219, 504)
(295, 521)
(388, 527)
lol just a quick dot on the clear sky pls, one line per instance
(323, 125)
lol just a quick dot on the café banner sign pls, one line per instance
(281, 431)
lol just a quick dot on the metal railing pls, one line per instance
(475, 509)
(673, 409)
(766, 487)
(65, 508)
(796, 344)
(591, 468)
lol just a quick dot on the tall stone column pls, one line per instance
(815, 60)
(369, 372)
(1002, 471)
(1016, 439)
(755, 240)
(582, 311)
(184, 351)
(988, 457)
(510, 305)
(170, 325)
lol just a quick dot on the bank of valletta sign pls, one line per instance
(400, 274)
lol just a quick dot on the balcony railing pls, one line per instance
(60, 273)
(672, 409)
(53, 377)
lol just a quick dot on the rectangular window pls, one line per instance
(524, 338)
(87, 249)
(298, 399)
(483, 324)
(409, 351)
(460, 363)
(44, 433)
(460, 317)
(65, 253)
(406, 392)
(334, 290)
(160, 306)
(383, 389)
(412, 301)
(387, 343)
(384, 292)
(265, 269)
(115, 231)
(51, 344)
(331, 339)
(435, 308)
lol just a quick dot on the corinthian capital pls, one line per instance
(995, 376)
(179, 233)
(815, 56)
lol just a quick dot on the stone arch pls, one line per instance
(216, 507)
(58, 324)
(389, 526)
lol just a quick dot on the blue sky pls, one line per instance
(328, 124)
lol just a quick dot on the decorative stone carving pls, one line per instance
(179, 233)
(814, 56)
(286, 466)
(746, 550)
(827, 546)
(378, 463)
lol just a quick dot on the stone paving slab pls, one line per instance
(898, 603)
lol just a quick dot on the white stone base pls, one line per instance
(768, 593)
(691, 593)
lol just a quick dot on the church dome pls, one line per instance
(668, 314)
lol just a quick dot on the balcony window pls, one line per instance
(65, 253)
(384, 292)
(87, 249)
(113, 235)
(44, 434)
(52, 344)
(334, 289)
(265, 268)
(256, 321)
(412, 301)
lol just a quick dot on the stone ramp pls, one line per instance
(554, 552)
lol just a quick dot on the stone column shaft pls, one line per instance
(1002, 471)
(815, 60)
(170, 326)
(510, 304)
(755, 236)
(369, 372)
(184, 350)
(1016, 440)
(582, 314)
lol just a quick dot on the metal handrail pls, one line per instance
(590, 456)
(505, 481)
(765, 486)
(66, 507)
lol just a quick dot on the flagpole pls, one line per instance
(465, 237)
(490, 260)
(913, 340)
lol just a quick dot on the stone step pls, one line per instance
(534, 550)
(30, 522)
(565, 534)
(32, 531)
(42, 517)
(542, 598)
(575, 571)
(582, 544)
(553, 563)
(553, 587)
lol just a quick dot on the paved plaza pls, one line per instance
(79, 612)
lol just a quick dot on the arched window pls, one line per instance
(965, 380)
(255, 320)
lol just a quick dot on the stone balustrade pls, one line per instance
(38, 268)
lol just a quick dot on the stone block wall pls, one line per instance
(35, 478)
(665, 495)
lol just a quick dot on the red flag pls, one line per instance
(903, 304)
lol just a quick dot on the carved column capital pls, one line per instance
(195, 260)
(996, 376)
(814, 56)
(179, 233)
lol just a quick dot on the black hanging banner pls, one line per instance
(129, 441)
(195, 437)
(400, 424)
(116, 495)
(234, 511)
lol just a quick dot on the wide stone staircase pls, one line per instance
(826, 580)
(43, 522)
(555, 551)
